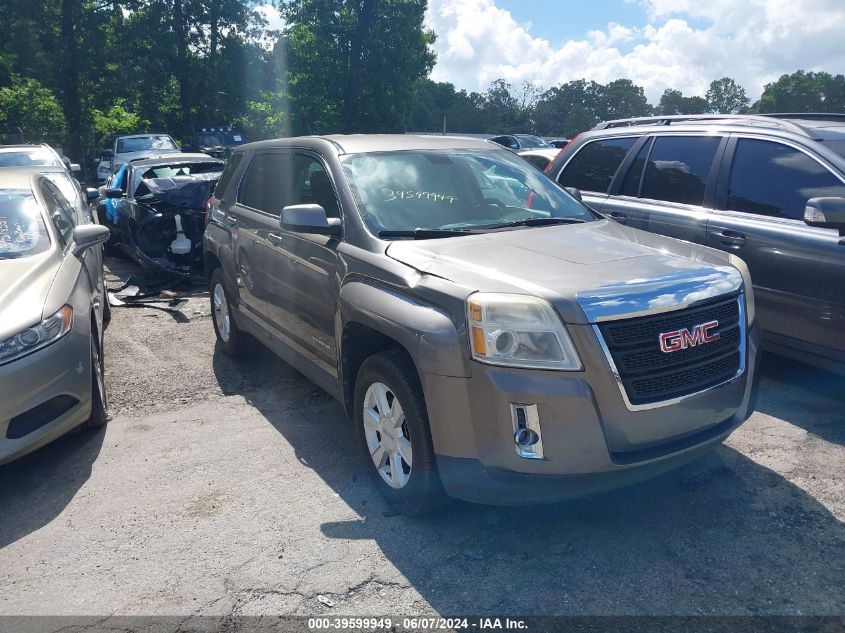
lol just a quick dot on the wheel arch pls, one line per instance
(374, 319)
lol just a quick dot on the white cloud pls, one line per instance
(685, 45)
(271, 14)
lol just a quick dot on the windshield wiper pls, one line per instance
(534, 222)
(426, 233)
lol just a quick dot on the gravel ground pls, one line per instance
(232, 488)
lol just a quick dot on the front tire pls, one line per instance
(99, 404)
(394, 433)
(232, 340)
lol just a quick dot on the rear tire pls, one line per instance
(232, 340)
(388, 437)
(99, 405)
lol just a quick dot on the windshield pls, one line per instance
(35, 157)
(145, 143)
(215, 140)
(532, 141)
(454, 189)
(22, 229)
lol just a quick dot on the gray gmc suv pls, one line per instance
(769, 189)
(491, 337)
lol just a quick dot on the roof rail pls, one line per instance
(771, 121)
(807, 116)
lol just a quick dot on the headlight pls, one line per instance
(519, 331)
(34, 338)
(741, 266)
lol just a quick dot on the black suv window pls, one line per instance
(678, 168)
(772, 179)
(311, 185)
(262, 185)
(226, 176)
(593, 167)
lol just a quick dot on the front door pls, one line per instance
(308, 298)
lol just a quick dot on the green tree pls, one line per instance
(804, 92)
(725, 96)
(674, 102)
(622, 99)
(33, 108)
(352, 64)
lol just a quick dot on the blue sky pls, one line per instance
(561, 20)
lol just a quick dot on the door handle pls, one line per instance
(731, 238)
(275, 238)
(231, 220)
(619, 217)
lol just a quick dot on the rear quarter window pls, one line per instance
(594, 165)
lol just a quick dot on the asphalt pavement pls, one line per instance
(226, 487)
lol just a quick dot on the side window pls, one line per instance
(226, 176)
(776, 180)
(310, 184)
(631, 186)
(60, 212)
(262, 186)
(678, 168)
(593, 167)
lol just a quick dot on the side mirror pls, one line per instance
(75, 168)
(826, 213)
(575, 193)
(114, 194)
(91, 194)
(86, 236)
(309, 218)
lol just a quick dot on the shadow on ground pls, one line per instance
(723, 535)
(805, 396)
(36, 488)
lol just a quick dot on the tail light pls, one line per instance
(212, 202)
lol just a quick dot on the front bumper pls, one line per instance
(59, 373)
(591, 441)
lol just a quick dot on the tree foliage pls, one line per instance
(28, 106)
(725, 96)
(353, 64)
(804, 92)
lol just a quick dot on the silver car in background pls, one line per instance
(52, 311)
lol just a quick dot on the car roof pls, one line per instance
(169, 159)
(25, 146)
(812, 126)
(21, 177)
(147, 135)
(366, 143)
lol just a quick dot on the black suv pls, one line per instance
(770, 189)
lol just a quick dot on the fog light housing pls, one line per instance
(527, 435)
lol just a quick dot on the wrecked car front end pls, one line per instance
(157, 213)
(168, 218)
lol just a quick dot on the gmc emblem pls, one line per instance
(681, 339)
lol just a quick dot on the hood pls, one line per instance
(24, 285)
(558, 262)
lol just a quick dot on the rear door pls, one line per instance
(593, 166)
(668, 186)
(255, 216)
(798, 271)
